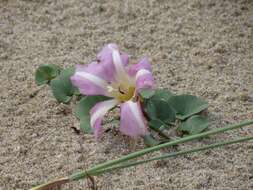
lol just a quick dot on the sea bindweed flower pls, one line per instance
(112, 76)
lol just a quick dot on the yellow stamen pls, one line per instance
(122, 92)
(126, 94)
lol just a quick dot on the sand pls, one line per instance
(200, 47)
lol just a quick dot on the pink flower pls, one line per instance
(112, 76)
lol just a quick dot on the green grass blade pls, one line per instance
(173, 154)
(133, 155)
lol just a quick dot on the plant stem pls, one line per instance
(173, 154)
(51, 184)
(108, 166)
(133, 155)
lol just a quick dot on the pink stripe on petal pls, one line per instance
(97, 128)
(89, 84)
(143, 64)
(105, 57)
(125, 59)
(106, 52)
(132, 121)
(97, 113)
(101, 70)
(144, 79)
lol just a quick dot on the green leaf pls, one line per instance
(157, 125)
(45, 73)
(147, 93)
(162, 94)
(83, 110)
(187, 105)
(77, 92)
(85, 124)
(65, 77)
(86, 103)
(149, 140)
(59, 91)
(194, 125)
(160, 109)
(62, 87)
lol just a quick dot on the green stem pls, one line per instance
(133, 155)
(173, 154)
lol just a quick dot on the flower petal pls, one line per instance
(144, 79)
(124, 58)
(97, 113)
(132, 122)
(105, 55)
(121, 74)
(113, 60)
(89, 79)
(95, 68)
(143, 64)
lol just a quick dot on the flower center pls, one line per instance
(123, 92)
(126, 94)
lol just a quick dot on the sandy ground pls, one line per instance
(199, 47)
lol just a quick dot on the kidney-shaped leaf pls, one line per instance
(157, 125)
(150, 141)
(147, 93)
(60, 92)
(162, 94)
(85, 124)
(187, 105)
(160, 109)
(45, 73)
(194, 125)
(83, 110)
(86, 103)
(62, 87)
